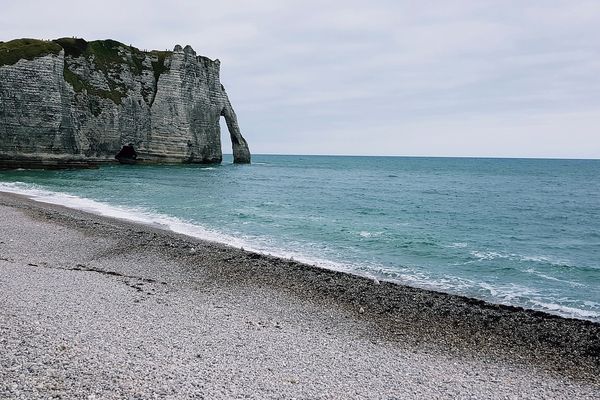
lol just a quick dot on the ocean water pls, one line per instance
(513, 231)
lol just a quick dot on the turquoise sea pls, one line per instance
(524, 232)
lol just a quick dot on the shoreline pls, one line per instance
(325, 265)
(401, 318)
(171, 224)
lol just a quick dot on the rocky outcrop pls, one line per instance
(70, 102)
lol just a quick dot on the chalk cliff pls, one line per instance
(69, 102)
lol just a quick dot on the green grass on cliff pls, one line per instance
(79, 85)
(74, 80)
(110, 58)
(107, 55)
(28, 49)
(73, 47)
(159, 66)
(110, 53)
(114, 94)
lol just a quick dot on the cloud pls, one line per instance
(304, 75)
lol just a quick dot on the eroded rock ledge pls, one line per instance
(72, 103)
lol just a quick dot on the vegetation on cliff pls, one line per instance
(27, 49)
(73, 47)
(158, 62)
(108, 56)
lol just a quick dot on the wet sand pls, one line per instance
(92, 307)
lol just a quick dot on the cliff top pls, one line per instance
(105, 52)
(108, 56)
(15, 50)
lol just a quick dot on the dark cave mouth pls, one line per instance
(127, 154)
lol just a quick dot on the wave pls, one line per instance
(552, 278)
(567, 311)
(511, 294)
(487, 255)
(530, 298)
(411, 276)
(457, 245)
(368, 234)
(133, 214)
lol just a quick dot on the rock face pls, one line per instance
(70, 102)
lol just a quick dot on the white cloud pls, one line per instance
(312, 74)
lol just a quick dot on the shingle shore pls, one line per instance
(92, 307)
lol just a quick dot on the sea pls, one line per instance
(522, 232)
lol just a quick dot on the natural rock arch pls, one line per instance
(166, 103)
(241, 152)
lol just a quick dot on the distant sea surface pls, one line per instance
(522, 232)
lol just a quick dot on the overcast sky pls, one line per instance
(441, 78)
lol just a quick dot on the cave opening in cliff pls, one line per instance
(127, 154)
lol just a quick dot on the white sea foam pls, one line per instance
(567, 311)
(532, 298)
(458, 245)
(486, 255)
(535, 258)
(367, 234)
(511, 294)
(544, 259)
(132, 214)
(412, 276)
(482, 255)
(552, 278)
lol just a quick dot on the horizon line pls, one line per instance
(424, 156)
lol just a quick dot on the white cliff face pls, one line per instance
(180, 109)
(32, 120)
(81, 106)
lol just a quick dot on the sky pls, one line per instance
(411, 78)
